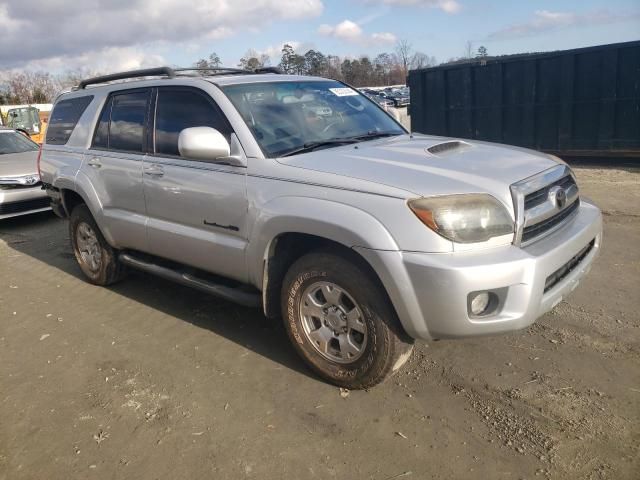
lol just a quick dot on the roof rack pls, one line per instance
(275, 70)
(146, 72)
(216, 70)
(172, 73)
(227, 70)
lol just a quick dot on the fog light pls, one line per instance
(479, 303)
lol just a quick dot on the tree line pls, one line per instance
(386, 68)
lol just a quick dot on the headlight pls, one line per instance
(468, 218)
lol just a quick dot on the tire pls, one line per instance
(96, 258)
(341, 322)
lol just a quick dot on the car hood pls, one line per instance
(14, 164)
(405, 162)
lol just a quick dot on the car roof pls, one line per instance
(221, 80)
(161, 76)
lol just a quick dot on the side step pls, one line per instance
(235, 295)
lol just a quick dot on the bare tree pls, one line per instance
(253, 60)
(30, 87)
(212, 62)
(468, 49)
(404, 51)
(422, 60)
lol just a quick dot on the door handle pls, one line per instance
(154, 170)
(94, 162)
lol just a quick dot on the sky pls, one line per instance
(111, 35)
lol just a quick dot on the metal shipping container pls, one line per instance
(581, 102)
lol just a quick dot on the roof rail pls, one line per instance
(218, 70)
(171, 73)
(227, 70)
(147, 72)
(275, 70)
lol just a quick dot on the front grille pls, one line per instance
(540, 196)
(19, 187)
(533, 231)
(24, 205)
(557, 276)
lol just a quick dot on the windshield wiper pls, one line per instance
(309, 147)
(373, 134)
(370, 135)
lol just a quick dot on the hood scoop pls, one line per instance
(446, 147)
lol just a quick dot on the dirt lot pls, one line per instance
(151, 380)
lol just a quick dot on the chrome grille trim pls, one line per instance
(534, 209)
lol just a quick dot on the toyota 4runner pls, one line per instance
(301, 196)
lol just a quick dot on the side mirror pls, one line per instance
(203, 143)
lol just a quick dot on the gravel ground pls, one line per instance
(150, 380)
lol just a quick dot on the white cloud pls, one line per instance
(345, 30)
(384, 37)
(350, 31)
(100, 60)
(38, 32)
(448, 6)
(546, 20)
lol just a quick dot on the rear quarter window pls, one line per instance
(64, 118)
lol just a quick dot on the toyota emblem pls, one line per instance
(558, 197)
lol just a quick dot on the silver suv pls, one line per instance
(301, 196)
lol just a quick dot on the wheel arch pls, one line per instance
(289, 227)
(287, 248)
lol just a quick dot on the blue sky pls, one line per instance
(443, 34)
(106, 35)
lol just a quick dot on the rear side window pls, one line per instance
(178, 109)
(122, 123)
(64, 117)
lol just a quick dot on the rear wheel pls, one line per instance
(341, 321)
(96, 258)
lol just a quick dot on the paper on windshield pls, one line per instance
(343, 92)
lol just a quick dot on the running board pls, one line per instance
(235, 295)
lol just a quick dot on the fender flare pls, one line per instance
(82, 186)
(338, 222)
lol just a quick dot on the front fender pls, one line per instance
(341, 223)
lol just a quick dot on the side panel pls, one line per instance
(117, 182)
(197, 215)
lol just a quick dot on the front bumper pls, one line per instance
(430, 291)
(23, 201)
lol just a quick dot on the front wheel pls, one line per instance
(341, 322)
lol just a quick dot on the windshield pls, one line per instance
(289, 116)
(14, 142)
(26, 118)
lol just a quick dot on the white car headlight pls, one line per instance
(468, 218)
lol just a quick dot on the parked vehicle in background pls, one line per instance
(383, 102)
(21, 192)
(399, 98)
(361, 236)
(28, 120)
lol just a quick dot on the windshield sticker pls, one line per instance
(343, 92)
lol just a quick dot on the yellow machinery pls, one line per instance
(28, 119)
